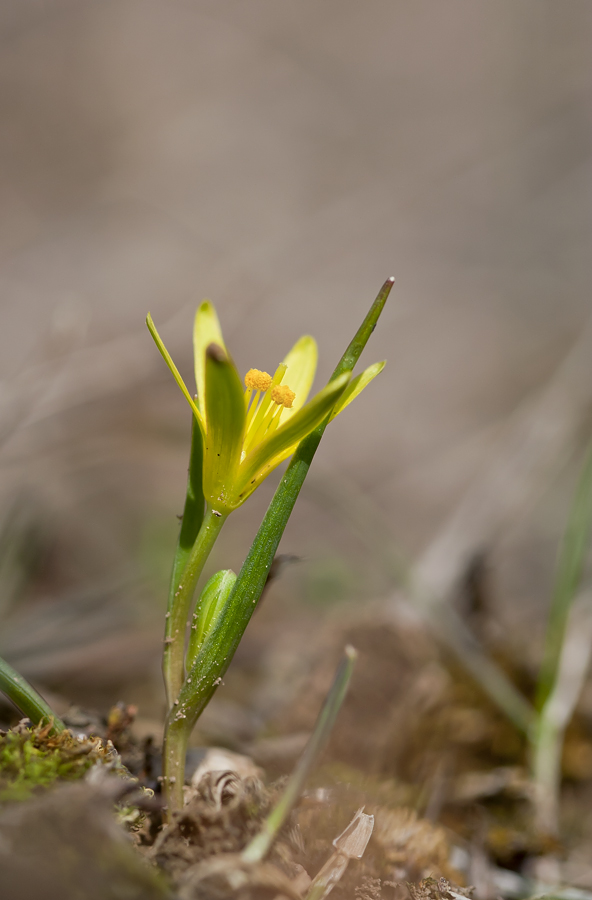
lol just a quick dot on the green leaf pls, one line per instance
(259, 846)
(26, 698)
(356, 386)
(570, 566)
(209, 606)
(176, 374)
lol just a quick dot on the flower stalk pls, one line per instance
(180, 603)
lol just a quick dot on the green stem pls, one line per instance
(176, 738)
(180, 603)
(546, 750)
(26, 697)
(547, 736)
(259, 847)
(570, 566)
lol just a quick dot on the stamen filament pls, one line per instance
(275, 421)
(252, 406)
(269, 422)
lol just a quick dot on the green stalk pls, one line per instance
(259, 847)
(555, 716)
(193, 513)
(26, 697)
(174, 751)
(570, 566)
(191, 522)
(558, 692)
(219, 647)
(180, 603)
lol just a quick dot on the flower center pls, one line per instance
(265, 399)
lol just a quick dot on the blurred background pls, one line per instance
(281, 159)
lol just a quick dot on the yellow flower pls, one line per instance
(247, 432)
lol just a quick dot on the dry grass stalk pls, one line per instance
(350, 844)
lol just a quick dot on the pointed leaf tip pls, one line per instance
(387, 286)
(176, 374)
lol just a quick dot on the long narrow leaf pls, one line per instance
(259, 847)
(570, 566)
(26, 697)
(174, 370)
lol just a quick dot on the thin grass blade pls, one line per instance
(570, 566)
(26, 698)
(258, 848)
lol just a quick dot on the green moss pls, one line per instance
(32, 759)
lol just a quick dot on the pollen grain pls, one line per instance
(283, 395)
(257, 380)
